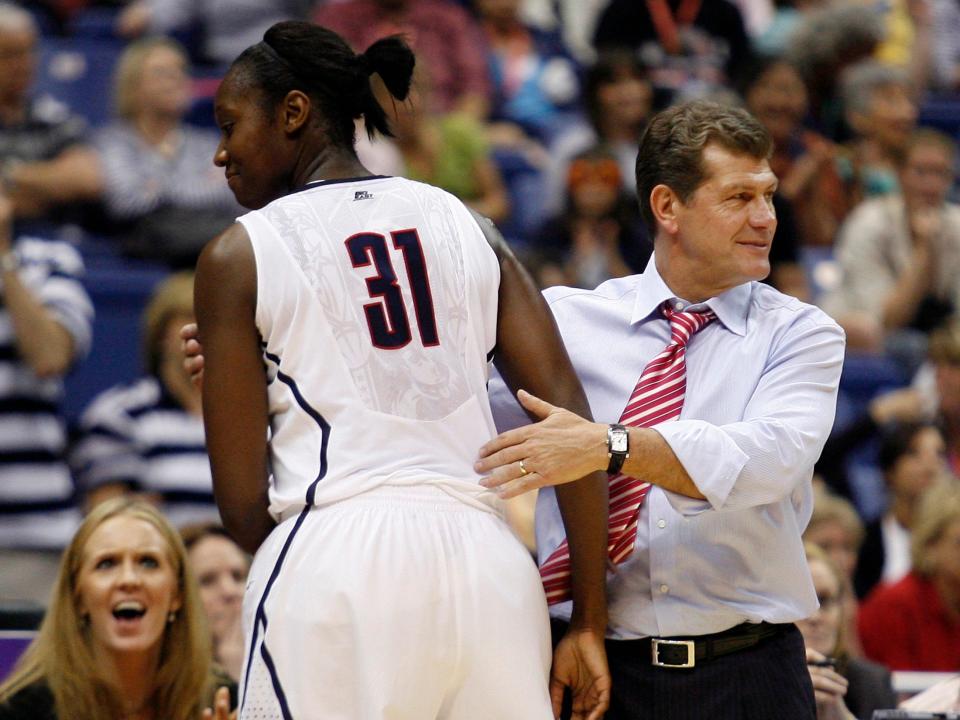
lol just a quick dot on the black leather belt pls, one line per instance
(677, 652)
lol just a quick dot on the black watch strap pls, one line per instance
(618, 447)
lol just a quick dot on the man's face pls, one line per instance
(724, 231)
(17, 60)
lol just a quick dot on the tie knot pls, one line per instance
(683, 324)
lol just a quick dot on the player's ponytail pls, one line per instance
(296, 55)
(391, 59)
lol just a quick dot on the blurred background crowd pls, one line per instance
(530, 111)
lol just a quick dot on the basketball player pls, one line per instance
(349, 318)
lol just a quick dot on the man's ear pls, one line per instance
(295, 111)
(665, 206)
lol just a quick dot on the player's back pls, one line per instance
(377, 306)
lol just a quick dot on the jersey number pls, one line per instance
(387, 319)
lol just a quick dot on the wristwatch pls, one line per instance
(618, 447)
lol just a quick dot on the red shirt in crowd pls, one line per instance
(905, 626)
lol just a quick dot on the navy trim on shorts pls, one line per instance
(277, 689)
(261, 615)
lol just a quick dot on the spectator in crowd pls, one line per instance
(156, 174)
(226, 26)
(45, 327)
(221, 568)
(846, 688)
(32, 129)
(880, 109)
(902, 405)
(124, 635)
(911, 457)
(914, 624)
(945, 46)
(906, 39)
(575, 19)
(599, 235)
(535, 81)
(944, 356)
(448, 150)
(160, 192)
(692, 48)
(442, 34)
(147, 437)
(825, 42)
(900, 254)
(774, 38)
(617, 97)
(804, 160)
(836, 529)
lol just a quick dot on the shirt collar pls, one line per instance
(731, 307)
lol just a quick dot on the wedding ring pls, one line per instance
(523, 470)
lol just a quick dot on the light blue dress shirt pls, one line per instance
(760, 400)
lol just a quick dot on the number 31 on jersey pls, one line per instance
(387, 319)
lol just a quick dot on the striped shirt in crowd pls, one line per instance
(139, 436)
(47, 130)
(37, 499)
(138, 179)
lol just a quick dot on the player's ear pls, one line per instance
(294, 111)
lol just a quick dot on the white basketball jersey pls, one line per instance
(377, 308)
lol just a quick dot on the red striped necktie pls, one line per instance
(656, 398)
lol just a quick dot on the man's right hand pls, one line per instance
(192, 352)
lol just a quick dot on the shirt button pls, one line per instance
(678, 305)
(664, 589)
(661, 524)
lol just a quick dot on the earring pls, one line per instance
(171, 616)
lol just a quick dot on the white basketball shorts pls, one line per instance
(400, 604)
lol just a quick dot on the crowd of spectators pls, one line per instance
(531, 112)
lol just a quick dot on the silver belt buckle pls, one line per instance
(688, 644)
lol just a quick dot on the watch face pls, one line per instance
(618, 441)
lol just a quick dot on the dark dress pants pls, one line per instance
(769, 681)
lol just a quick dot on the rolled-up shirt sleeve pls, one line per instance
(761, 459)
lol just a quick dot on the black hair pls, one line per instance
(756, 67)
(297, 55)
(896, 440)
(611, 67)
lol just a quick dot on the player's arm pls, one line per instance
(235, 410)
(530, 355)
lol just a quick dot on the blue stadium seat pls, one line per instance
(95, 22)
(525, 187)
(941, 112)
(78, 72)
(120, 290)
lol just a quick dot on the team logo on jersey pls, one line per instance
(362, 195)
